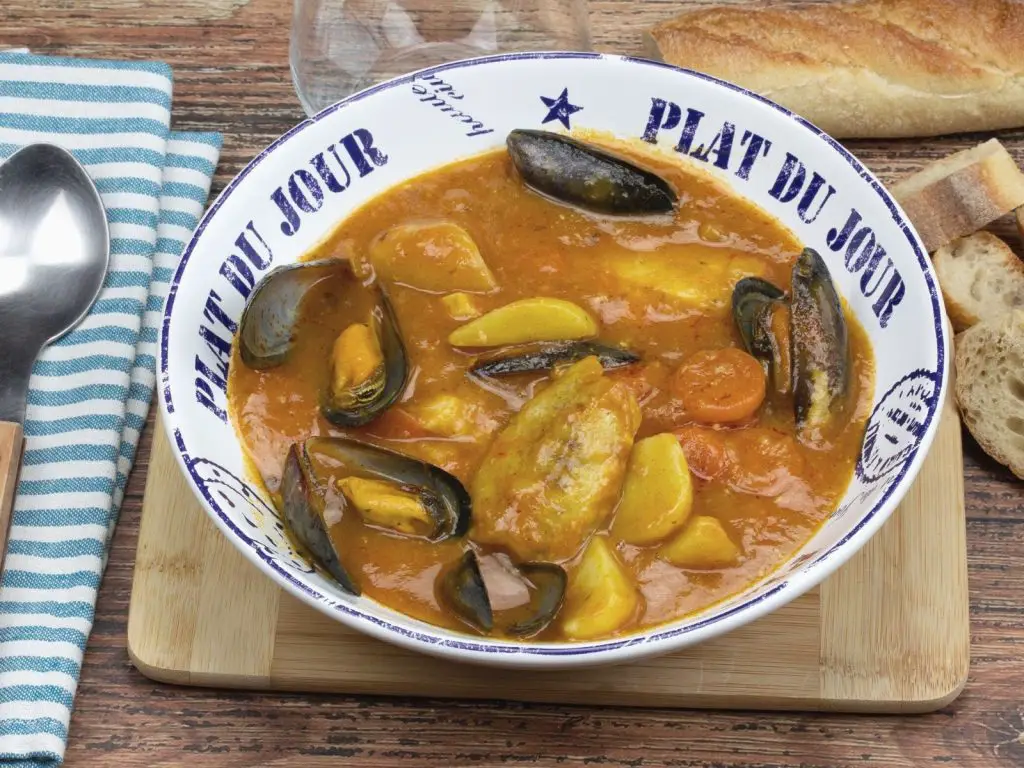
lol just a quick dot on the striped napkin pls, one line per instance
(90, 391)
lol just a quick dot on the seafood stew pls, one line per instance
(561, 391)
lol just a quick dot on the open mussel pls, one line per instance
(368, 369)
(461, 589)
(305, 511)
(819, 341)
(544, 356)
(368, 363)
(570, 171)
(326, 477)
(755, 303)
(266, 329)
(392, 490)
(802, 341)
(517, 601)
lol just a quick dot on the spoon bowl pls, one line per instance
(54, 255)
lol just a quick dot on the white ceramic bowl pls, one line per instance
(297, 190)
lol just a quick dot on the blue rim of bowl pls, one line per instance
(656, 640)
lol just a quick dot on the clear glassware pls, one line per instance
(339, 47)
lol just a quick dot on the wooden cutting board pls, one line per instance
(888, 632)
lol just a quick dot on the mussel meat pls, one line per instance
(392, 490)
(544, 356)
(304, 509)
(464, 590)
(356, 393)
(570, 171)
(353, 397)
(266, 329)
(819, 342)
(754, 304)
(324, 477)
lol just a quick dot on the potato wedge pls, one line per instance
(460, 306)
(539, 319)
(447, 415)
(703, 544)
(600, 597)
(431, 256)
(657, 496)
(552, 475)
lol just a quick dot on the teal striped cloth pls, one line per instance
(90, 391)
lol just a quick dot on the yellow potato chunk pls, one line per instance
(703, 544)
(552, 476)
(382, 503)
(600, 597)
(658, 493)
(356, 356)
(699, 276)
(446, 415)
(538, 319)
(431, 256)
(460, 306)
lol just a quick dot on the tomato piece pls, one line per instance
(720, 386)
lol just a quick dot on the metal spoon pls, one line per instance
(54, 253)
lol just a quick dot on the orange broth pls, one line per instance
(769, 489)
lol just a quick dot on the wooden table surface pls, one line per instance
(231, 75)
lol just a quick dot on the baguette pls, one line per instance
(876, 68)
(990, 387)
(961, 193)
(981, 279)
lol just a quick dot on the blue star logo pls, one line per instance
(560, 108)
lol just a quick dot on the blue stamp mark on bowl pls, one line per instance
(264, 530)
(897, 425)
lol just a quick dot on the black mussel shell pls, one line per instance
(461, 589)
(570, 171)
(549, 583)
(753, 302)
(749, 297)
(266, 329)
(362, 403)
(443, 496)
(819, 342)
(304, 515)
(543, 356)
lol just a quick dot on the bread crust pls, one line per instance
(876, 68)
(960, 194)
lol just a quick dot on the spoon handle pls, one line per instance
(10, 458)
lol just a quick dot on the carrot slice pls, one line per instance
(720, 386)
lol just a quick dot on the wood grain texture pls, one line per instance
(888, 633)
(205, 607)
(868, 592)
(231, 75)
(10, 460)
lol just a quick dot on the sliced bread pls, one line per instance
(961, 193)
(990, 387)
(981, 279)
